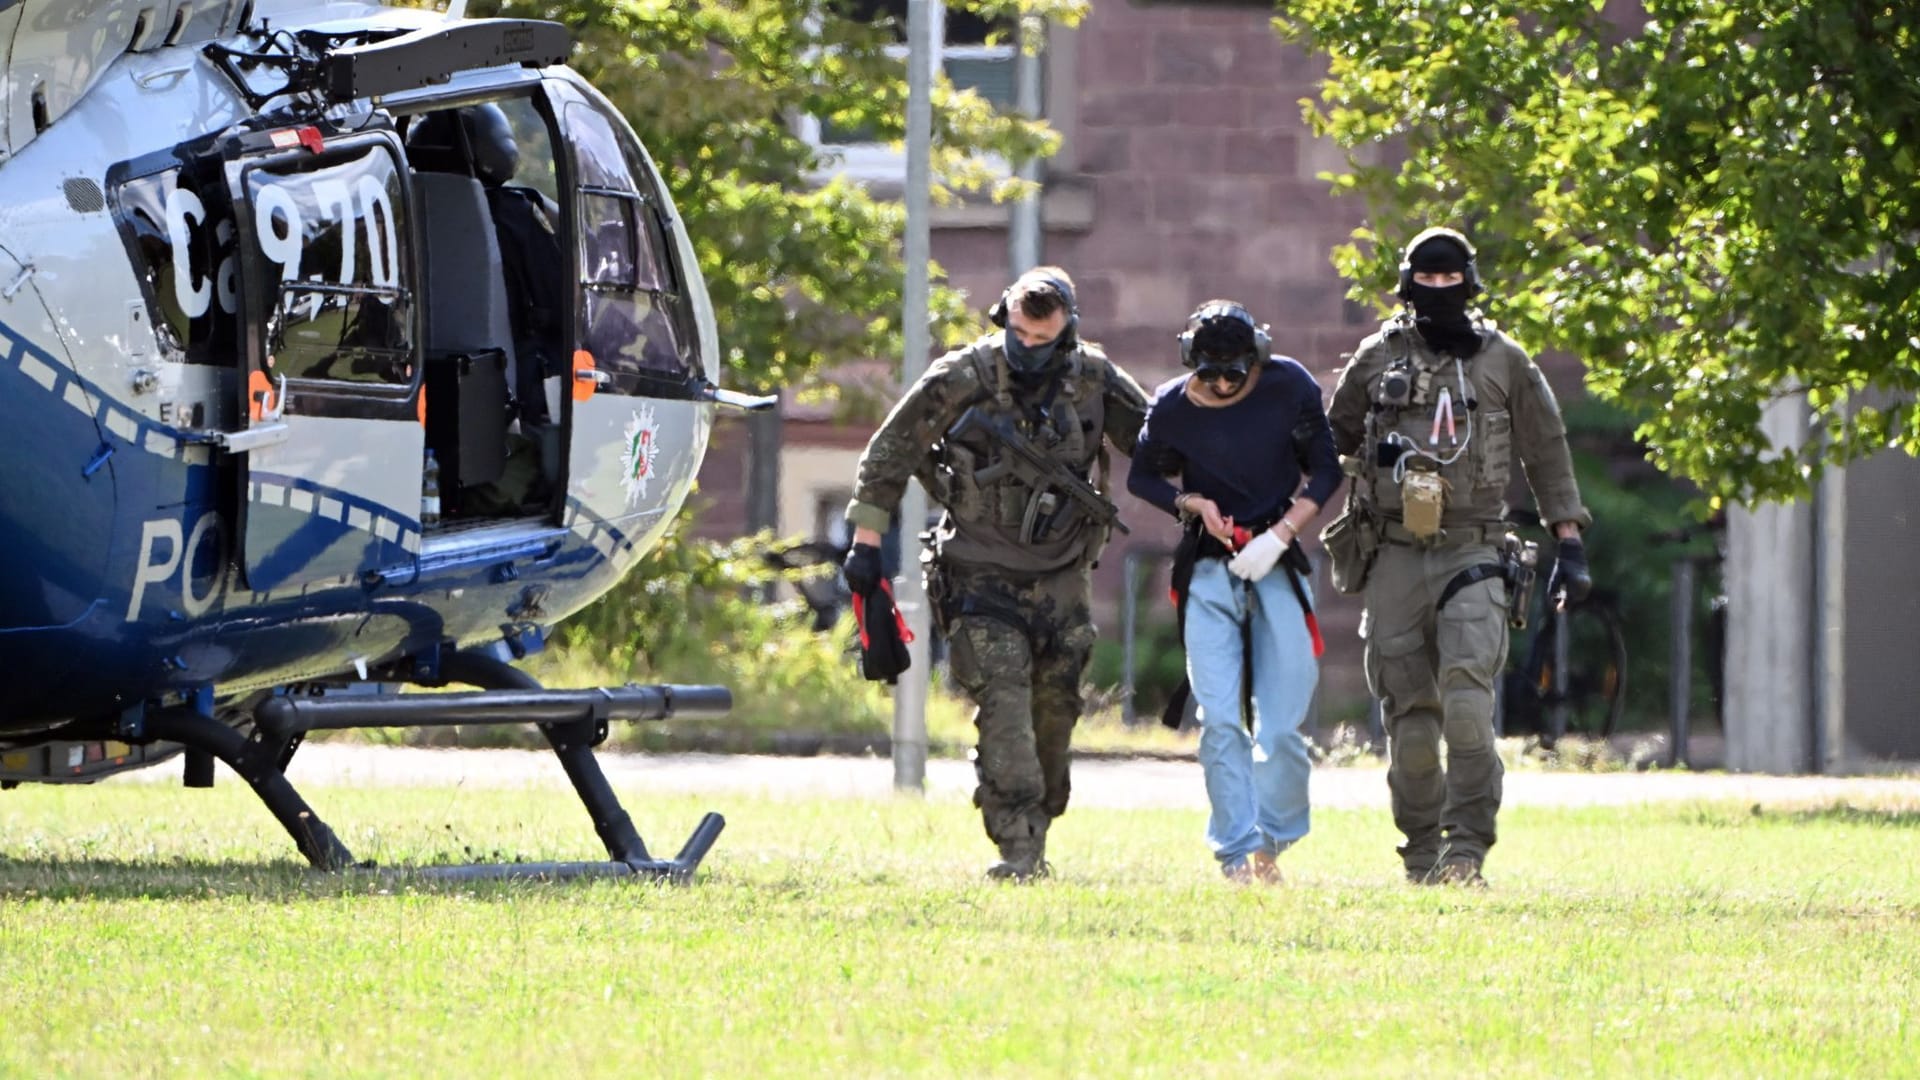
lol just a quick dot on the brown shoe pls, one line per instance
(1265, 870)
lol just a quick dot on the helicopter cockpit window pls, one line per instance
(180, 235)
(329, 228)
(635, 311)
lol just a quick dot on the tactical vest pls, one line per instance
(1473, 454)
(995, 515)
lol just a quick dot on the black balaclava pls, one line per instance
(1441, 314)
(1030, 362)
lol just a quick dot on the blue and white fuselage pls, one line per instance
(185, 508)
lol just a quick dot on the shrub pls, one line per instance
(697, 611)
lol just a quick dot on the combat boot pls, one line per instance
(1019, 866)
(1023, 858)
(1462, 872)
(1422, 857)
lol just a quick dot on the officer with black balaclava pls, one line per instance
(1429, 416)
(1008, 566)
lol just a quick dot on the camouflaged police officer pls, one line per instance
(1009, 567)
(1430, 415)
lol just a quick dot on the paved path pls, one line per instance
(1108, 783)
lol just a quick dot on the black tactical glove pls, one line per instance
(1571, 581)
(862, 569)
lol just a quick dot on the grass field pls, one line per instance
(146, 930)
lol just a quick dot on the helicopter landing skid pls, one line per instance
(573, 721)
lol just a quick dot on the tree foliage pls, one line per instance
(805, 270)
(1715, 207)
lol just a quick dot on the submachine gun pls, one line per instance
(1053, 482)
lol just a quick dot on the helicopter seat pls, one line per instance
(468, 335)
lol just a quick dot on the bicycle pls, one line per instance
(1579, 689)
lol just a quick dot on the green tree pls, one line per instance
(1715, 207)
(804, 274)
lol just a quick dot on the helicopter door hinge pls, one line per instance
(13, 289)
(238, 442)
(733, 399)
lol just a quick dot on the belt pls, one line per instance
(1210, 548)
(1452, 536)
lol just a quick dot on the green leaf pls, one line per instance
(1663, 199)
(799, 268)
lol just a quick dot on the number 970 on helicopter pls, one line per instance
(341, 347)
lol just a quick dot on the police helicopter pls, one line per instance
(342, 347)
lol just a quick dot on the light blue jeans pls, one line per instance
(1256, 782)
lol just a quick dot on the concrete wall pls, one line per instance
(1879, 693)
(1770, 651)
(1822, 615)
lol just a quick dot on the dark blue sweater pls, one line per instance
(1246, 456)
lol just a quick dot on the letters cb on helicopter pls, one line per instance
(342, 346)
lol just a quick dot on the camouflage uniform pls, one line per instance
(1010, 596)
(1435, 673)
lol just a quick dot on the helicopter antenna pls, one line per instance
(456, 9)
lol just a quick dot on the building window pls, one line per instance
(975, 53)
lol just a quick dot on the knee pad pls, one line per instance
(1416, 748)
(1399, 671)
(1469, 723)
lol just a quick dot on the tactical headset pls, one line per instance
(1406, 260)
(997, 314)
(1224, 309)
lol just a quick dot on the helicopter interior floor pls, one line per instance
(462, 526)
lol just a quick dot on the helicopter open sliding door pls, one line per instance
(639, 425)
(329, 362)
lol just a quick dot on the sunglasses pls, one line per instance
(1228, 373)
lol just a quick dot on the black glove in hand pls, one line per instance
(862, 569)
(1571, 581)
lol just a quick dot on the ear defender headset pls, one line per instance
(997, 314)
(1406, 260)
(1224, 309)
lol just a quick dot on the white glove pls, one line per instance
(1258, 557)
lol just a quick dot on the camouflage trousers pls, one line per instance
(1018, 645)
(1434, 676)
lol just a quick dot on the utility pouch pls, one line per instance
(1352, 541)
(1423, 499)
(1038, 523)
(1521, 559)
